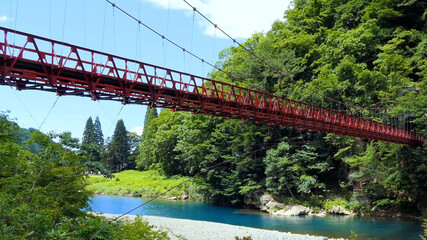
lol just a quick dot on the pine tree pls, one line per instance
(99, 137)
(88, 133)
(119, 148)
(92, 140)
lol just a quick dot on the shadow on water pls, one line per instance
(331, 226)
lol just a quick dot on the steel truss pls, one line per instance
(33, 62)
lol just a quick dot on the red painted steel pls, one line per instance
(33, 62)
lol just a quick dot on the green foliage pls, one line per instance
(146, 184)
(99, 137)
(134, 143)
(117, 155)
(85, 227)
(89, 132)
(42, 193)
(137, 229)
(149, 116)
(92, 146)
(331, 203)
(353, 235)
(38, 190)
(289, 168)
(158, 142)
(391, 174)
(81, 228)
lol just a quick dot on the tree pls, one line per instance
(99, 137)
(159, 140)
(294, 169)
(134, 143)
(88, 133)
(38, 191)
(146, 149)
(93, 140)
(149, 116)
(119, 148)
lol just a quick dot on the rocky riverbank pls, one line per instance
(202, 230)
(267, 203)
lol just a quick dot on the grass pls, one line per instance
(143, 184)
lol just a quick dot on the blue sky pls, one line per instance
(94, 24)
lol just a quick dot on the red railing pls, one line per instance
(32, 62)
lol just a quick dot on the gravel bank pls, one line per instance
(202, 230)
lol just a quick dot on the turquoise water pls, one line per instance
(332, 226)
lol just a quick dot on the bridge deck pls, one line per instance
(35, 63)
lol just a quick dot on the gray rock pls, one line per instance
(338, 210)
(264, 199)
(274, 205)
(268, 204)
(293, 210)
(317, 214)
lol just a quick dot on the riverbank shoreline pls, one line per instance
(203, 230)
(322, 213)
(151, 183)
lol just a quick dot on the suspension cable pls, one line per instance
(50, 19)
(63, 25)
(16, 23)
(117, 116)
(48, 113)
(25, 107)
(84, 22)
(114, 32)
(163, 36)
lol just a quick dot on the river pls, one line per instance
(331, 226)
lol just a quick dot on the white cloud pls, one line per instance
(3, 18)
(138, 130)
(239, 18)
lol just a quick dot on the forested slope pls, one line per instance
(362, 53)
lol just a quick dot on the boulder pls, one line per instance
(338, 210)
(264, 199)
(268, 204)
(274, 205)
(293, 210)
(317, 214)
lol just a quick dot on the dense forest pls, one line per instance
(362, 53)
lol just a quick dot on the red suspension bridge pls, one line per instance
(33, 62)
